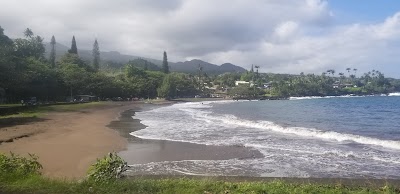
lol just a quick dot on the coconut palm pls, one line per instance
(28, 33)
(328, 71)
(348, 70)
(331, 71)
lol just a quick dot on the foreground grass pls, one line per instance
(22, 175)
(10, 105)
(38, 184)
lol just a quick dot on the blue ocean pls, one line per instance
(346, 137)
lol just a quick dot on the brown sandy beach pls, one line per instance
(67, 143)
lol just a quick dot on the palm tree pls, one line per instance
(355, 72)
(328, 71)
(28, 33)
(348, 70)
(257, 69)
(331, 71)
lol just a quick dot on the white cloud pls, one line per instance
(286, 30)
(288, 36)
(365, 47)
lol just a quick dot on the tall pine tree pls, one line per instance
(96, 55)
(165, 67)
(52, 57)
(74, 49)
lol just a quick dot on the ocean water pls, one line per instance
(347, 137)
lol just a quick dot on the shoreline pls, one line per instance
(142, 151)
(67, 143)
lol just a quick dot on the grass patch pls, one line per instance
(10, 105)
(21, 175)
(37, 111)
(69, 107)
(25, 114)
(38, 184)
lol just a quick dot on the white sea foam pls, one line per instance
(301, 131)
(308, 97)
(394, 94)
(322, 97)
(295, 148)
(395, 161)
(193, 110)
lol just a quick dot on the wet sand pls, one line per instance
(140, 151)
(68, 143)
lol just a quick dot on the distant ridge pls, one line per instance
(118, 60)
(193, 65)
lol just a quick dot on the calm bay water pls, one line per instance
(330, 137)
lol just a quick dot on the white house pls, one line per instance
(243, 82)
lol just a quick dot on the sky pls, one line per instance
(280, 36)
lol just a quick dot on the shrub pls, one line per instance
(108, 168)
(14, 164)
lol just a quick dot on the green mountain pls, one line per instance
(114, 59)
(145, 64)
(209, 68)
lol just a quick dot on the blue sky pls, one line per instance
(363, 11)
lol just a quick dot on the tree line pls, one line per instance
(325, 84)
(25, 71)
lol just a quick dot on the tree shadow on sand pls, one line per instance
(14, 121)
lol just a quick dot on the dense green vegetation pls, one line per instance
(107, 169)
(285, 85)
(22, 175)
(25, 72)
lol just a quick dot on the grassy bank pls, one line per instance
(36, 111)
(22, 175)
(38, 184)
